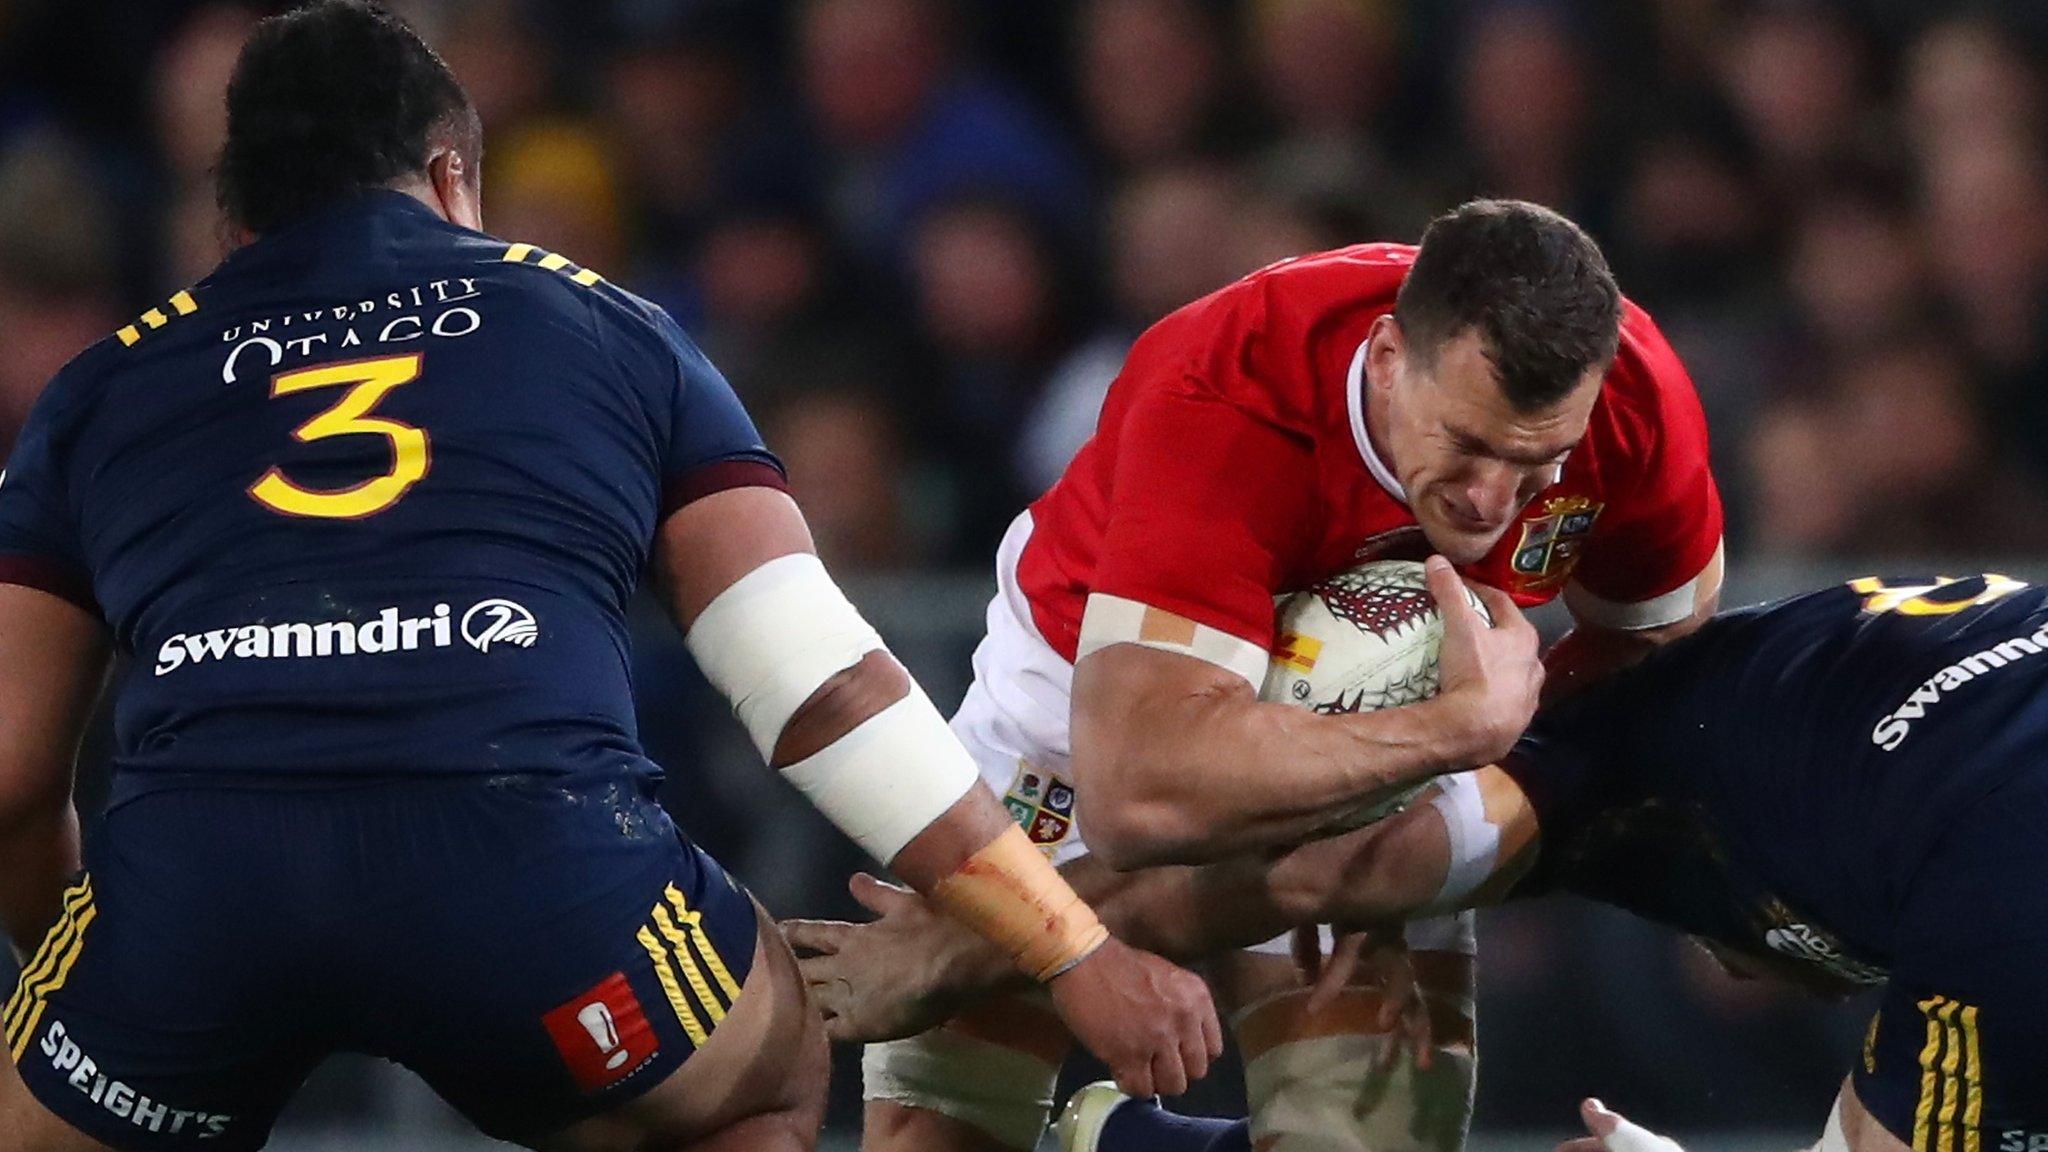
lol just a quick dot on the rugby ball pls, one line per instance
(1360, 641)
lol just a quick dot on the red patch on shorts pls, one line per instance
(603, 1035)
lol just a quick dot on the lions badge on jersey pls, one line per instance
(1042, 804)
(1551, 542)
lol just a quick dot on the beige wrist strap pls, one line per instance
(1012, 895)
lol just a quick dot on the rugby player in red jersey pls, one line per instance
(1487, 396)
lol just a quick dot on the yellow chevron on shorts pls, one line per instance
(1973, 1080)
(664, 972)
(679, 948)
(38, 968)
(694, 924)
(51, 968)
(1950, 1087)
(1930, 1055)
(1951, 1079)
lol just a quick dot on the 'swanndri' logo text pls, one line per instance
(486, 624)
(1896, 725)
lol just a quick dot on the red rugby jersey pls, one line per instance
(1231, 464)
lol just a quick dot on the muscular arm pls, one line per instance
(1152, 1023)
(1181, 762)
(708, 545)
(1384, 873)
(53, 660)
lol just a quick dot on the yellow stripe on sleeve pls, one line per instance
(130, 335)
(695, 923)
(554, 261)
(155, 318)
(587, 278)
(518, 253)
(184, 303)
(685, 1015)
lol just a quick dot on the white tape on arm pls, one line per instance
(888, 779)
(1475, 841)
(769, 643)
(1629, 1136)
(773, 638)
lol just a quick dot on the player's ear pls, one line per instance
(456, 187)
(1385, 352)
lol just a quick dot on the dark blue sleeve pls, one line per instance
(39, 546)
(711, 443)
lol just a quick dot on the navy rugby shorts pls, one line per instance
(539, 951)
(1956, 1059)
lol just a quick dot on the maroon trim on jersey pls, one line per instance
(59, 580)
(698, 483)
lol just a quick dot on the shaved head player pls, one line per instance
(365, 506)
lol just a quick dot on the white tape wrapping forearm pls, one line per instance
(1475, 841)
(769, 642)
(887, 780)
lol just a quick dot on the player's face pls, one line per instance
(1467, 459)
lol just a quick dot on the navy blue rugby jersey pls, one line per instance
(1779, 779)
(371, 498)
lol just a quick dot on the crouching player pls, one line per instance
(1488, 396)
(1844, 789)
(366, 505)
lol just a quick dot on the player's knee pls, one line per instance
(983, 1083)
(1328, 1082)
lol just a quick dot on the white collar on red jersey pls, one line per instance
(1354, 399)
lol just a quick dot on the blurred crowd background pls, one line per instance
(919, 236)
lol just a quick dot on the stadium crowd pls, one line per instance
(919, 235)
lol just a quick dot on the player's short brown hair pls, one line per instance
(329, 100)
(1533, 285)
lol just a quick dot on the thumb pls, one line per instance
(1448, 590)
(1619, 1135)
(877, 897)
(1600, 1121)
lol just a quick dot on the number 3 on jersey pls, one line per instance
(368, 381)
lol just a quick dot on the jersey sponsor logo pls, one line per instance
(491, 622)
(1805, 942)
(121, 1099)
(487, 624)
(603, 1035)
(1042, 804)
(1551, 543)
(2022, 1140)
(1892, 730)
